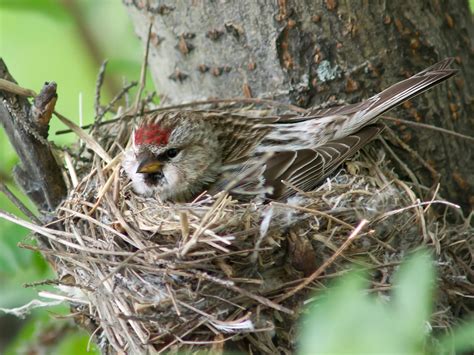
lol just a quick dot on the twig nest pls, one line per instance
(159, 276)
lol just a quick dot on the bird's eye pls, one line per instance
(172, 152)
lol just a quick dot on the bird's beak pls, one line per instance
(149, 166)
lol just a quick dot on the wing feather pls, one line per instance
(310, 166)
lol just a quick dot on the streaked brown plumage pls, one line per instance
(178, 154)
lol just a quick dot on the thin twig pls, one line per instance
(98, 88)
(405, 167)
(230, 285)
(242, 100)
(427, 126)
(124, 263)
(141, 87)
(50, 234)
(416, 205)
(91, 142)
(313, 211)
(326, 264)
(16, 89)
(435, 175)
(111, 104)
(21, 206)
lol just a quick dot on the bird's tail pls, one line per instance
(364, 113)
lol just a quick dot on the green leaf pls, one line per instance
(413, 294)
(348, 318)
(51, 335)
(50, 8)
(460, 341)
(27, 334)
(12, 291)
(76, 344)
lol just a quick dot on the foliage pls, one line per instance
(44, 334)
(347, 319)
(40, 41)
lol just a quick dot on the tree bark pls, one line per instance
(310, 52)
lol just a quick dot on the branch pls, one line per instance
(38, 174)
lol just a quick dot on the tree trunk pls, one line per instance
(310, 52)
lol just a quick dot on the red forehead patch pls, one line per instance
(152, 134)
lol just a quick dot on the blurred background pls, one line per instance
(63, 41)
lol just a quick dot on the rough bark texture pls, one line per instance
(38, 174)
(309, 52)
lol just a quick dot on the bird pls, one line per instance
(174, 155)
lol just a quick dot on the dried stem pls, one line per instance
(326, 264)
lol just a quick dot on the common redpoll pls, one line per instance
(175, 154)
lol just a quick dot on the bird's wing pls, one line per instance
(305, 168)
(239, 135)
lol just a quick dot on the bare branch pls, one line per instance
(38, 174)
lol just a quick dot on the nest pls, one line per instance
(215, 273)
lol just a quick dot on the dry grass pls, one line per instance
(147, 275)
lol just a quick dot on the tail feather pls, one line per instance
(407, 89)
(366, 112)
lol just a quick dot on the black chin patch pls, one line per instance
(153, 178)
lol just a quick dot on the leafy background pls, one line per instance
(43, 40)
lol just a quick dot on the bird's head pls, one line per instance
(172, 160)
